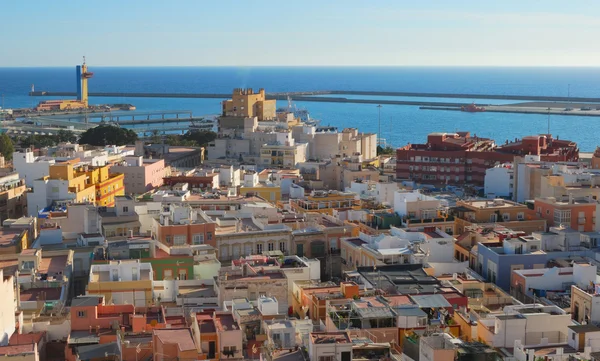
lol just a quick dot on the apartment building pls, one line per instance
(511, 215)
(140, 175)
(578, 213)
(458, 158)
(75, 182)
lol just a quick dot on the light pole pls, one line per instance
(379, 133)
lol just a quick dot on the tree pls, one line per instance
(7, 147)
(106, 134)
(200, 137)
(66, 136)
(385, 151)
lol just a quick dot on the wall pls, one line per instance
(25, 165)
(7, 309)
(504, 263)
(498, 182)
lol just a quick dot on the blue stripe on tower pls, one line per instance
(78, 80)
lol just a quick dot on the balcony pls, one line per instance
(581, 220)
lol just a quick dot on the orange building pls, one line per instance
(576, 213)
(184, 225)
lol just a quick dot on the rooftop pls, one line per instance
(17, 349)
(329, 337)
(181, 336)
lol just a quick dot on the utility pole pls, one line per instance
(379, 134)
(548, 121)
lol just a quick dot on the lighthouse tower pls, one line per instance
(82, 75)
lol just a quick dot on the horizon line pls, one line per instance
(304, 66)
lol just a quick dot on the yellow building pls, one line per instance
(90, 184)
(245, 103)
(269, 193)
(326, 202)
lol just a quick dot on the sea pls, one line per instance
(400, 124)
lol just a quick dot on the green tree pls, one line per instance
(385, 151)
(106, 134)
(65, 136)
(200, 137)
(7, 147)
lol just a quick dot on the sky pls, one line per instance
(300, 33)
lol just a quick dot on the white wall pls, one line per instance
(7, 309)
(29, 169)
(497, 182)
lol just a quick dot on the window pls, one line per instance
(167, 274)
(81, 314)
(271, 246)
(520, 216)
(183, 274)
(493, 217)
(506, 217)
(198, 238)
(179, 240)
(562, 216)
(282, 247)
(229, 350)
(168, 239)
(125, 209)
(259, 248)
(209, 235)
(326, 358)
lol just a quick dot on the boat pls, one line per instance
(472, 108)
(301, 114)
(206, 124)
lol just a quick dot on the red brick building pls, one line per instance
(458, 158)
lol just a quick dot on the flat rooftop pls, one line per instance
(9, 236)
(329, 337)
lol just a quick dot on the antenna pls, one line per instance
(84, 60)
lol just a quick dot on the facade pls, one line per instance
(73, 182)
(246, 103)
(8, 308)
(325, 346)
(140, 175)
(495, 263)
(532, 324)
(499, 182)
(31, 167)
(182, 225)
(457, 158)
(578, 213)
(13, 201)
(286, 155)
(326, 202)
(511, 215)
(122, 282)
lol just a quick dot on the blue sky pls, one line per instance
(306, 32)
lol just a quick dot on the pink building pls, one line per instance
(141, 175)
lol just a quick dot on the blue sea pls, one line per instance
(400, 124)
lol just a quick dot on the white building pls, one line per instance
(532, 324)
(525, 281)
(329, 346)
(31, 167)
(414, 204)
(499, 181)
(105, 277)
(7, 308)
